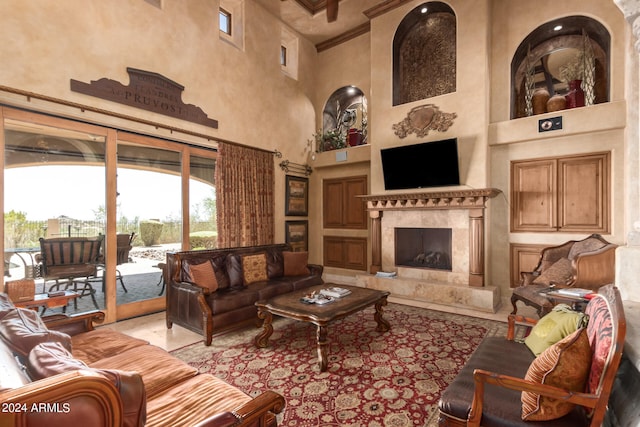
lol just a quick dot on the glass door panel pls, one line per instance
(148, 207)
(54, 187)
(203, 232)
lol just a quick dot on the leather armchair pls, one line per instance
(587, 263)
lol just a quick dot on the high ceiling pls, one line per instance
(309, 17)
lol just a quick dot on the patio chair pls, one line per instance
(71, 261)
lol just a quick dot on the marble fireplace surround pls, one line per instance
(460, 210)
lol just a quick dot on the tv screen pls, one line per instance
(429, 164)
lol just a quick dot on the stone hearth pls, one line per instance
(463, 212)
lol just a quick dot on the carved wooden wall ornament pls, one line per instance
(147, 91)
(420, 120)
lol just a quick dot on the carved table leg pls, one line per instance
(383, 325)
(262, 340)
(323, 345)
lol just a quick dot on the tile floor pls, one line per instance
(153, 327)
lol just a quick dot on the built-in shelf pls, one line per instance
(574, 122)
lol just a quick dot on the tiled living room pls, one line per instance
(422, 153)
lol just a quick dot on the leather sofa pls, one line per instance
(209, 291)
(61, 371)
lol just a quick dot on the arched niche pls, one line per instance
(345, 113)
(556, 45)
(424, 53)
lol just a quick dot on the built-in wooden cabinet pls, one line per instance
(345, 252)
(341, 206)
(565, 194)
(343, 210)
(524, 257)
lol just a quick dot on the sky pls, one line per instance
(44, 192)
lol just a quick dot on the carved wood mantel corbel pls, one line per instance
(472, 200)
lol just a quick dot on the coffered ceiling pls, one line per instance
(310, 17)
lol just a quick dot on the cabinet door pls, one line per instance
(332, 203)
(524, 257)
(341, 206)
(345, 252)
(583, 183)
(355, 214)
(533, 195)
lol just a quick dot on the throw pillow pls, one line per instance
(204, 275)
(559, 273)
(254, 268)
(553, 327)
(51, 358)
(23, 329)
(295, 263)
(566, 365)
(587, 245)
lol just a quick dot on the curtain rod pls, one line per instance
(157, 125)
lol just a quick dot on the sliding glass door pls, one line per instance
(139, 196)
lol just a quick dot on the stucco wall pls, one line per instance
(45, 44)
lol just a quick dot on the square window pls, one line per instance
(225, 21)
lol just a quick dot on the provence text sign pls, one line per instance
(148, 91)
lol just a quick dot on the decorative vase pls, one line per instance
(355, 137)
(556, 103)
(539, 101)
(575, 97)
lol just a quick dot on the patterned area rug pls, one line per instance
(373, 378)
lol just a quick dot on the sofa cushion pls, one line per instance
(254, 268)
(559, 273)
(204, 275)
(158, 369)
(232, 299)
(566, 365)
(23, 329)
(589, 244)
(102, 342)
(275, 263)
(553, 327)
(204, 395)
(295, 263)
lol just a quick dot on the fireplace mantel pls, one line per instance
(473, 200)
(457, 199)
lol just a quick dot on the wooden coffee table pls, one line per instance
(290, 306)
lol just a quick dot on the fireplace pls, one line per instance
(423, 248)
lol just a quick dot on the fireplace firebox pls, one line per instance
(423, 248)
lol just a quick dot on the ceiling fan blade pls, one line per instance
(332, 10)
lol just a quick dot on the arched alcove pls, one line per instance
(556, 46)
(424, 53)
(345, 118)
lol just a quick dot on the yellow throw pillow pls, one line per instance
(565, 364)
(553, 327)
(204, 275)
(295, 263)
(254, 268)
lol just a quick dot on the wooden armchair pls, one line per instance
(71, 261)
(587, 263)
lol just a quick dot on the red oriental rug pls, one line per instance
(373, 378)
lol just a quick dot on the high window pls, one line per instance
(225, 21)
(231, 22)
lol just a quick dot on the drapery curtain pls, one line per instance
(244, 196)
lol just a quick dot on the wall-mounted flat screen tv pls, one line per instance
(429, 164)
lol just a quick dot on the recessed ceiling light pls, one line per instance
(557, 28)
(423, 10)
